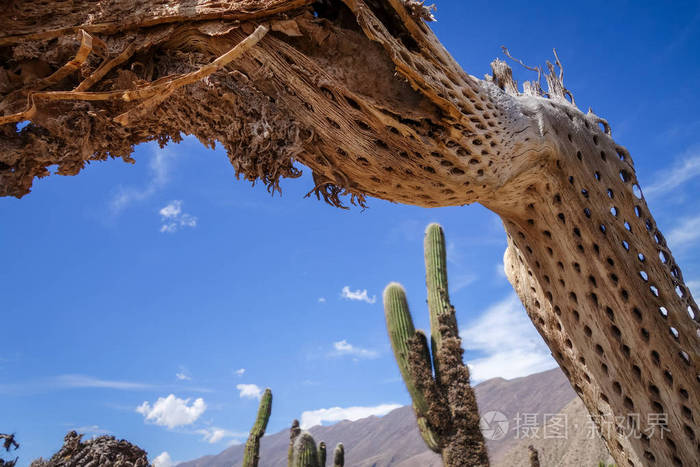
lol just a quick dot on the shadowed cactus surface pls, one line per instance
(339, 455)
(443, 400)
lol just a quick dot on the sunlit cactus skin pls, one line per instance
(339, 455)
(399, 324)
(252, 446)
(443, 400)
(304, 451)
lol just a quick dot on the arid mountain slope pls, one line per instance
(393, 440)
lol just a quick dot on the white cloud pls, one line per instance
(172, 210)
(159, 168)
(239, 372)
(335, 414)
(213, 435)
(322, 300)
(250, 391)
(172, 411)
(693, 285)
(358, 295)
(182, 376)
(83, 381)
(687, 168)
(163, 460)
(508, 341)
(686, 233)
(501, 271)
(345, 348)
(173, 218)
(460, 281)
(93, 430)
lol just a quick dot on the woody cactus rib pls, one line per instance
(444, 403)
(251, 455)
(363, 94)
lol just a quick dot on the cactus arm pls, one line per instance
(305, 453)
(400, 327)
(252, 446)
(294, 432)
(339, 456)
(436, 283)
(427, 434)
(322, 454)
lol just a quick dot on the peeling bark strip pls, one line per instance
(363, 93)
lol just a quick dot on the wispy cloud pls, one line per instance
(173, 219)
(507, 341)
(335, 414)
(685, 169)
(684, 234)
(78, 381)
(213, 435)
(93, 430)
(84, 381)
(461, 281)
(163, 460)
(172, 411)
(183, 374)
(249, 391)
(159, 175)
(341, 348)
(322, 300)
(693, 285)
(239, 372)
(357, 295)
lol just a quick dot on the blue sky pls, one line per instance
(153, 301)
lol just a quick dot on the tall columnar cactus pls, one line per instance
(252, 446)
(322, 454)
(339, 455)
(444, 402)
(304, 453)
(294, 433)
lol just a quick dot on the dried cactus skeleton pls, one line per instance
(363, 94)
(443, 400)
(103, 450)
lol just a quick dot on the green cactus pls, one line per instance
(339, 456)
(444, 402)
(252, 446)
(294, 432)
(322, 454)
(304, 451)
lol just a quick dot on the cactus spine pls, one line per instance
(339, 456)
(252, 446)
(443, 401)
